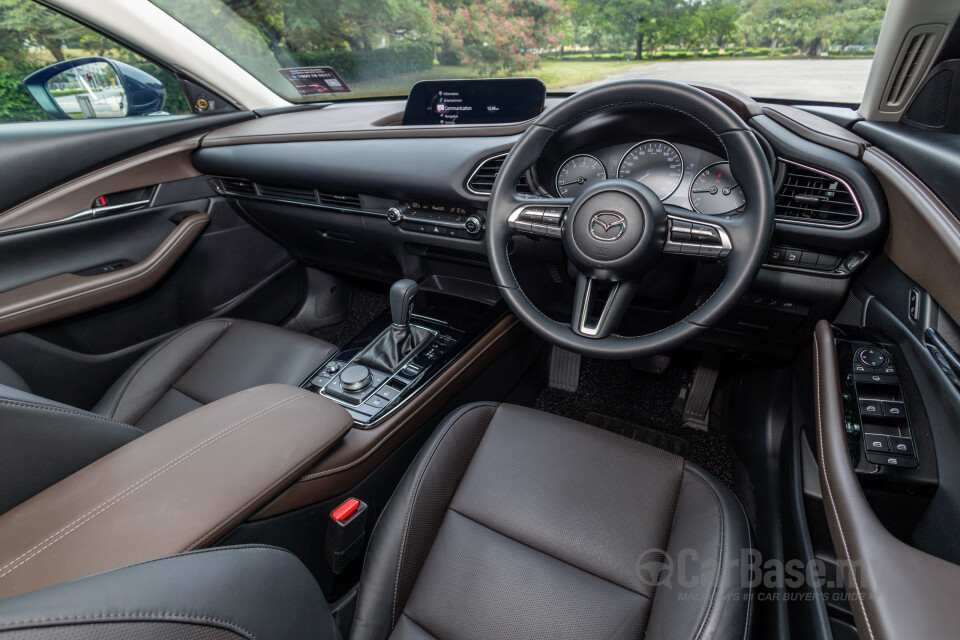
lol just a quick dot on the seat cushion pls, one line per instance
(516, 523)
(205, 362)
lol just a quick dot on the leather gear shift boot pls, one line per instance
(392, 346)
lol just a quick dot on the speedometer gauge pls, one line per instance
(655, 164)
(576, 173)
(715, 191)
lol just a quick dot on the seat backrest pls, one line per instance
(43, 442)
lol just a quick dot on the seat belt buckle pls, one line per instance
(346, 532)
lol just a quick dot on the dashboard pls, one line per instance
(347, 189)
(680, 174)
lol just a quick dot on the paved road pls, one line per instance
(816, 79)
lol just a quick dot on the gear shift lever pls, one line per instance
(402, 293)
(399, 340)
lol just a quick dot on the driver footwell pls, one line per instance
(617, 397)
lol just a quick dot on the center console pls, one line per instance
(399, 353)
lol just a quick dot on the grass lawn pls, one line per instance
(554, 73)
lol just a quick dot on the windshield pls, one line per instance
(315, 50)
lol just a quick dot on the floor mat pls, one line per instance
(634, 403)
(365, 305)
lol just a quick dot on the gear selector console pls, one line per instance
(401, 351)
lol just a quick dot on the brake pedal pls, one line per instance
(564, 369)
(696, 408)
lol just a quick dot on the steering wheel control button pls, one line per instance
(532, 214)
(873, 357)
(355, 378)
(876, 443)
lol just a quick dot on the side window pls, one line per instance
(54, 68)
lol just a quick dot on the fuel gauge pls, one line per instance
(715, 191)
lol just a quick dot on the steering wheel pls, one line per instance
(616, 230)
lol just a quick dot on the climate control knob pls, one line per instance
(397, 213)
(473, 225)
(355, 378)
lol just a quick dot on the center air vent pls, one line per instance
(339, 200)
(810, 196)
(287, 193)
(482, 179)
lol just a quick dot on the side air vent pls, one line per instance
(287, 193)
(238, 186)
(912, 62)
(339, 200)
(482, 179)
(810, 196)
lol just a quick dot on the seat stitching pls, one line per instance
(133, 616)
(723, 537)
(43, 407)
(52, 539)
(415, 493)
(159, 349)
(826, 478)
(280, 481)
(157, 262)
(383, 440)
(550, 555)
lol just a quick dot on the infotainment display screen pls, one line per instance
(486, 101)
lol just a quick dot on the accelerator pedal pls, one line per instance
(696, 408)
(564, 369)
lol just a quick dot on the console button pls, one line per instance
(894, 410)
(809, 258)
(876, 442)
(871, 408)
(792, 256)
(827, 261)
(320, 380)
(388, 393)
(376, 403)
(902, 446)
(775, 256)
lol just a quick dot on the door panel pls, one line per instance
(37, 156)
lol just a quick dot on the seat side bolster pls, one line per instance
(700, 591)
(157, 370)
(254, 591)
(410, 520)
(43, 442)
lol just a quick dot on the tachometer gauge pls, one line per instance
(715, 191)
(655, 164)
(578, 172)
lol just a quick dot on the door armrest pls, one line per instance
(178, 488)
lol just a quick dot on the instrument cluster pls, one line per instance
(680, 174)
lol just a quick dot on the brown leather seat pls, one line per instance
(42, 442)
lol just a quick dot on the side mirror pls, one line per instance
(95, 88)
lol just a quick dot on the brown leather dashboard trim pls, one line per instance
(361, 450)
(924, 237)
(896, 591)
(180, 487)
(164, 164)
(68, 294)
(816, 129)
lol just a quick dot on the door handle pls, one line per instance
(943, 354)
(68, 294)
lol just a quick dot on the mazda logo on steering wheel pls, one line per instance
(607, 226)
